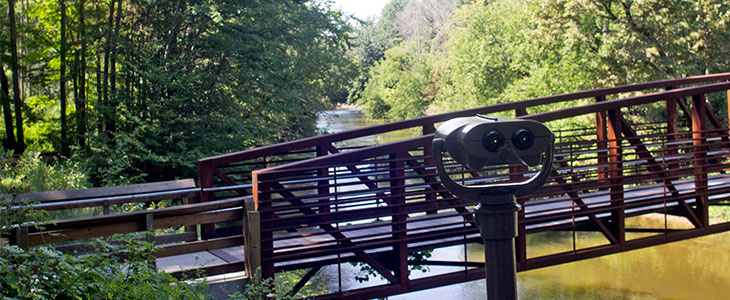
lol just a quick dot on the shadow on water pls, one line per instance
(694, 269)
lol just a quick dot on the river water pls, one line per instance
(694, 269)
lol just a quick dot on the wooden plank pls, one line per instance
(209, 271)
(199, 218)
(176, 238)
(115, 200)
(159, 240)
(58, 236)
(198, 246)
(52, 196)
(158, 213)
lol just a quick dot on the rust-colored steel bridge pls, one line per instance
(320, 203)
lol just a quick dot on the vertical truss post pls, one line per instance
(615, 175)
(428, 160)
(699, 118)
(323, 204)
(398, 201)
(672, 130)
(262, 200)
(601, 145)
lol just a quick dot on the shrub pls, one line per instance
(31, 174)
(118, 269)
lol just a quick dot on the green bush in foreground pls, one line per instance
(113, 271)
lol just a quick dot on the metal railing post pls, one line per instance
(323, 204)
(601, 144)
(672, 130)
(699, 118)
(429, 160)
(398, 200)
(615, 175)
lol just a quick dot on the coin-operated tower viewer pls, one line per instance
(481, 141)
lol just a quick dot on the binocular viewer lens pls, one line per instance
(493, 140)
(522, 139)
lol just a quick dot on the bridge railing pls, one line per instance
(379, 204)
(162, 225)
(229, 174)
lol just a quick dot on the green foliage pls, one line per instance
(176, 81)
(400, 85)
(118, 269)
(278, 288)
(501, 51)
(30, 173)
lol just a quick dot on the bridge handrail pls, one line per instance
(224, 159)
(542, 117)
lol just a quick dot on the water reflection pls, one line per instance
(693, 269)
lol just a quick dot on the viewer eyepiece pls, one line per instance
(523, 138)
(493, 140)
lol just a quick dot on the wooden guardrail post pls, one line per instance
(699, 118)
(205, 180)
(247, 206)
(21, 237)
(253, 244)
(149, 227)
(105, 204)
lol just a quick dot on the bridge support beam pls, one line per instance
(672, 131)
(601, 144)
(699, 139)
(498, 227)
(615, 173)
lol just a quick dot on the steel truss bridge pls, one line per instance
(319, 203)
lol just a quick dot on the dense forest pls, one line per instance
(139, 90)
(444, 55)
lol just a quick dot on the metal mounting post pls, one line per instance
(498, 227)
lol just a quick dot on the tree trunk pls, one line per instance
(9, 142)
(62, 82)
(81, 77)
(105, 79)
(15, 67)
(113, 68)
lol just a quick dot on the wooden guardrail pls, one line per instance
(73, 235)
(105, 197)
